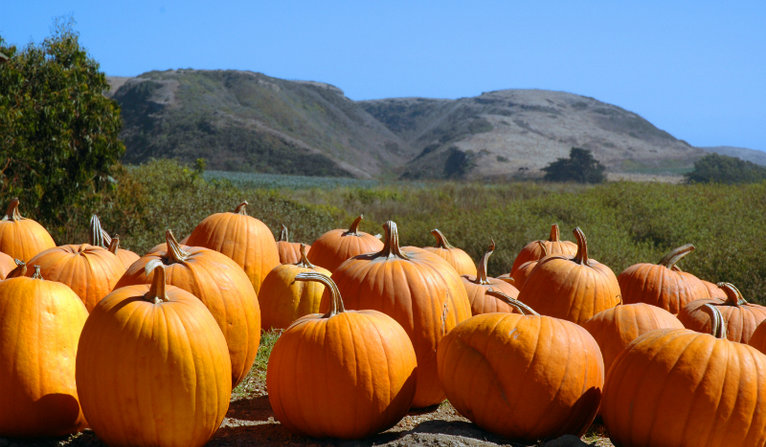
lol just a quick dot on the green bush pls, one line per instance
(716, 168)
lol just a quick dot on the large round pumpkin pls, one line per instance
(478, 286)
(243, 238)
(572, 288)
(366, 381)
(153, 367)
(418, 289)
(22, 238)
(660, 284)
(678, 387)
(289, 252)
(220, 284)
(524, 377)
(283, 299)
(554, 245)
(457, 257)
(40, 325)
(335, 246)
(90, 271)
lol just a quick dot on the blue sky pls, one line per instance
(696, 69)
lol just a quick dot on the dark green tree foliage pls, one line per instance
(716, 168)
(58, 132)
(580, 167)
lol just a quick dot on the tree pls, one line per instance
(58, 131)
(716, 168)
(580, 167)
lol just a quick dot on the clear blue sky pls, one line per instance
(696, 69)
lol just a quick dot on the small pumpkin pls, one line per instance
(478, 286)
(289, 252)
(7, 265)
(22, 238)
(367, 377)
(522, 272)
(99, 237)
(283, 299)
(335, 246)
(554, 245)
(457, 257)
(153, 367)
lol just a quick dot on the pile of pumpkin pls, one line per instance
(146, 350)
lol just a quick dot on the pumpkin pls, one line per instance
(283, 299)
(289, 252)
(243, 238)
(524, 377)
(522, 272)
(572, 288)
(153, 367)
(22, 238)
(455, 256)
(616, 327)
(335, 246)
(220, 284)
(740, 316)
(418, 289)
(344, 374)
(714, 290)
(678, 387)
(660, 284)
(477, 287)
(554, 245)
(7, 265)
(40, 325)
(100, 238)
(90, 271)
(758, 339)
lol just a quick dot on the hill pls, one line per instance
(246, 121)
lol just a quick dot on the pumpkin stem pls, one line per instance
(115, 244)
(391, 248)
(544, 249)
(733, 295)
(554, 237)
(675, 255)
(19, 271)
(717, 321)
(441, 240)
(175, 254)
(516, 304)
(157, 291)
(98, 236)
(336, 302)
(12, 213)
(354, 228)
(481, 275)
(304, 262)
(582, 247)
(284, 236)
(37, 274)
(240, 209)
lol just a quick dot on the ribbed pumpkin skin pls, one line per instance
(225, 290)
(365, 384)
(615, 328)
(741, 321)
(289, 252)
(423, 293)
(335, 246)
(522, 377)
(455, 256)
(283, 300)
(153, 374)
(532, 251)
(243, 238)
(40, 325)
(90, 271)
(22, 238)
(677, 387)
(481, 302)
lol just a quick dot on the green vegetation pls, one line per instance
(58, 132)
(580, 167)
(715, 168)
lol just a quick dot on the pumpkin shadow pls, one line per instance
(255, 409)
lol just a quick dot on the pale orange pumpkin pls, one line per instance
(478, 286)
(554, 245)
(457, 257)
(22, 238)
(522, 272)
(335, 246)
(289, 252)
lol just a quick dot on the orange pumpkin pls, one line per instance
(243, 238)
(678, 387)
(7, 265)
(455, 256)
(22, 238)
(335, 246)
(283, 299)
(477, 287)
(153, 367)
(714, 290)
(220, 284)
(367, 377)
(523, 377)
(572, 288)
(289, 252)
(740, 316)
(522, 272)
(660, 284)
(90, 271)
(554, 245)
(418, 289)
(40, 325)
(616, 327)
(100, 238)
